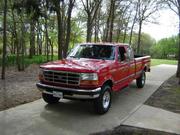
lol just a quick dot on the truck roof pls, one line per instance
(105, 43)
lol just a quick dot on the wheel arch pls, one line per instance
(108, 82)
(145, 68)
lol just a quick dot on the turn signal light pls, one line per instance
(41, 77)
(89, 82)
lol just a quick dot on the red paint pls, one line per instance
(120, 73)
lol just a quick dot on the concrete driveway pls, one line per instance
(76, 118)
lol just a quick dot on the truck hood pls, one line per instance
(77, 65)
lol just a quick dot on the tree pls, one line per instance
(174, 5)
(146, 42)
(58, 5)
(117, 20)
(63, 11)
(165, 47)
(68, 30)
(146, 8)
(110, 21)
(4, 40)
(133, 23)
(122, 20)
(32, 9)
(91, 8)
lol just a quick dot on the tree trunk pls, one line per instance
(17, 54)
(124, 37)
(68, 32)
(112, 20)
(119, 29)
(139, 37)
(22, 41)
(178, 67)
(89, 29)
(126, 28)
(16, 42)
(51, 44)
(39, 39)
(59, 33)
(118, 35)
(4, 41)
(125, 32)
(64, 27)
(132, 27)
(46, 39)
(32, 39)
(14, 37)
(107, 30)
(96, 29)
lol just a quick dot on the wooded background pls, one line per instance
(50, 28)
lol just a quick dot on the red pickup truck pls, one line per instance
(92, 71)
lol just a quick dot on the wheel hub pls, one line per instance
(106, 99)
(143, 79)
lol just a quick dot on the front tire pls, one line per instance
(103, 102)
(49, 98)
(140, 82)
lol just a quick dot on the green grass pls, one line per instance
(11, 60)
(155, 62)
(38, 60)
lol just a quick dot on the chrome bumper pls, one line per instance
(70, 92)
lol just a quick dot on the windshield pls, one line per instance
(105, 52)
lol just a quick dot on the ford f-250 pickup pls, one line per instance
(92, 71)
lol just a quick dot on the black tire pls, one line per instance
(103, 102)
(49, 98)
(140, 82)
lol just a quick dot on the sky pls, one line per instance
(167, 27)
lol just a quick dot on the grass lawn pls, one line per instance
(11, 60)
(155, 62)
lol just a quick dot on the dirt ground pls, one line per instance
(127, 130)
(167, 96)
(19, 87)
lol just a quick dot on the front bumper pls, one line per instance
(70, 93)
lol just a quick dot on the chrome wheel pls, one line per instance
(103, 102)
(143, 79)
(106, 99)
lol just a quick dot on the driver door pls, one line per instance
(122, 67)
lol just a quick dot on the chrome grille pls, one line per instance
(62, 77)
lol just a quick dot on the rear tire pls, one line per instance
(103, 102)
(49, 98)
(140, 82)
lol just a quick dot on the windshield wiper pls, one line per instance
(74, 57)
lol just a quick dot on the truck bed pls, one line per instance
(142, 61)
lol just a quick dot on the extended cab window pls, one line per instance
(121, 54)
(106, 52)
(130, 53)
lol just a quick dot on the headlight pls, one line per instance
(89, 76)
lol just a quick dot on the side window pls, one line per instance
(121, 54)
(130, 53)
